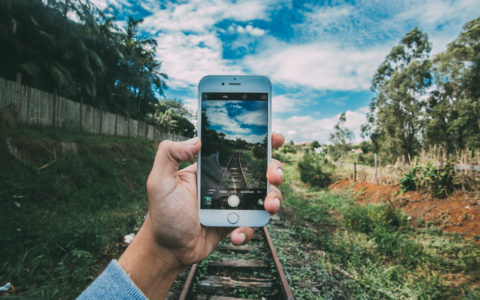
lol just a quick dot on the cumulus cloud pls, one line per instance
(188, 43)
(317, 65)
(246, 120)
(307, 128)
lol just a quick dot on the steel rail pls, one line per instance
(225, 171)
(188, 282)
(241, 169)
(285, 287)
(283, 283)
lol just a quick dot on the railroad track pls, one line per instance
(231, 272)
(234, 173)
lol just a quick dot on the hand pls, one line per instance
(171, 236)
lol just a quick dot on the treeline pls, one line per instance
(422, 101)
(72, 49)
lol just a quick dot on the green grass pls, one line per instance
(368, 252)
(62, 224)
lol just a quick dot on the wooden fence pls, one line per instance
(39, 108)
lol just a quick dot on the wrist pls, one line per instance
(151, 267)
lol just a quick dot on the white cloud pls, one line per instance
(306, 128)
(285, 103)
(102, 4)
(187, 58)
(441, 19)
(249, 29)
(317, 65)
(217, 115)
(188, 44)
(258, 117)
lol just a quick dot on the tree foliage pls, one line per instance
(394, 121)
(341, 137)
(316, 170)
(453, 112)
(72, 49)
(172, 116)
(424, 103)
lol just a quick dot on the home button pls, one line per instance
(232, 218)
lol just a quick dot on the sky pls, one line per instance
(319, 55)
(246, 120)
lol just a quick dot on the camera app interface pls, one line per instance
(234, 150)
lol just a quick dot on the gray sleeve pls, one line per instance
(113, 283)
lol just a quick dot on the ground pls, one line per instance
(460, 212)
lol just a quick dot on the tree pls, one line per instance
(454, 108)
(86, 58)
(173, 116)
(341, 138)
(314, 145)
(395, 116)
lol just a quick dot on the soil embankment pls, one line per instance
(459, 213)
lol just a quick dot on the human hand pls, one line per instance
(171, 236)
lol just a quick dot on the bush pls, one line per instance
(437, 180)
(314, 170)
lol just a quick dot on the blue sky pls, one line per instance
(320, 55)
(246, 120)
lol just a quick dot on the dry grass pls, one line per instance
(390, 174)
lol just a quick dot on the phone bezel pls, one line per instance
(247, 84)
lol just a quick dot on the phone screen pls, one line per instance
(234, 150)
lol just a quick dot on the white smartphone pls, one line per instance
(234, 125)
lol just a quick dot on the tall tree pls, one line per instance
(394, 120)
(342, 137)
(72, 49)
(454, 108)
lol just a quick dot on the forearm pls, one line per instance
(151, 267)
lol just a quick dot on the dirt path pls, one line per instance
(458, 213)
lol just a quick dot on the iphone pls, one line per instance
(234, 125)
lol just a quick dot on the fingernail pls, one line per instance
(193, 141)
(276, 202)
(243, 237)
(280, 171)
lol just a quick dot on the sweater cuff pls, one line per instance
(113, 283)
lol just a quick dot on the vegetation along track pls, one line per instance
(236, 272)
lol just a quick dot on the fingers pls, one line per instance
(275, 172)
(170, 154)
(241, 235)
(277, 140)
(273, 200)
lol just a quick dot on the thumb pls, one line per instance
(170, 154)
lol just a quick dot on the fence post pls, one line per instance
(376, 169)
(355, 171)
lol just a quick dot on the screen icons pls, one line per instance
(208, 200)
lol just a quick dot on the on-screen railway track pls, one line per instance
(234, 173)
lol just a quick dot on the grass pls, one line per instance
(67, 200)
(368, 252)
(436, 156)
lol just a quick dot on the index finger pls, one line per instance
(277, 140)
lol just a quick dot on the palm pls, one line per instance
(174, 216)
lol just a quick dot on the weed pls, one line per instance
(315, 170)
(62, 224)
(437, 180)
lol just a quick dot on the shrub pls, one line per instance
(407, 182)
(314, 170)
(437, 180)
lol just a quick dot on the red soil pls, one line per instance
(460, 212)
